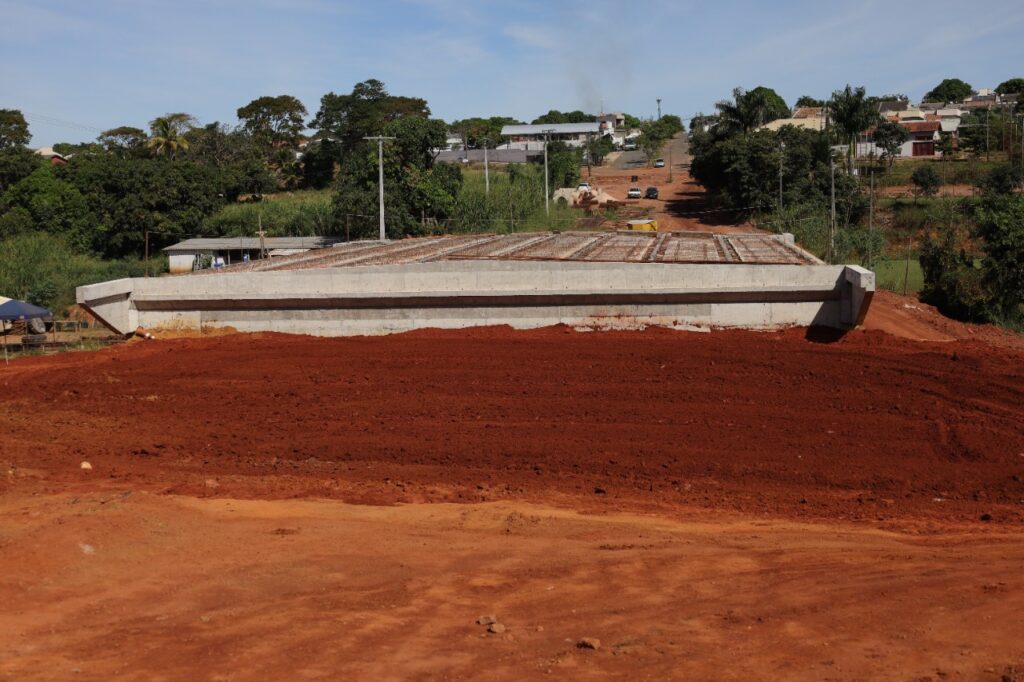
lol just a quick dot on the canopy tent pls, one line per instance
(12, 310)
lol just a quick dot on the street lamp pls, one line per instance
(547, 208)
(380, 175)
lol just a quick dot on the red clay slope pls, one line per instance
(869, 427)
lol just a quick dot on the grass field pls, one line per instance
(890, 275)
(952, 172)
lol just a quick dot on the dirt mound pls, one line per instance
(868, 427)
(908, 318)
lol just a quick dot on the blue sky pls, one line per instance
(103, 63)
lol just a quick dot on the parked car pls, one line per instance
(583, 187)
(633, 193)
(651, 193)
(659, 163)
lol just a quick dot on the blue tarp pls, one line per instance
(11, 309)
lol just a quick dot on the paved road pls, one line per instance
(680, 155)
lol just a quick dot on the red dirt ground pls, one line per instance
(867, 427)
(746, 505)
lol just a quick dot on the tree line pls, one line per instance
(789, 179)
(168, 180)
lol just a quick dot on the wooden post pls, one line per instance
(147, 253)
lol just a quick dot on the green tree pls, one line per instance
(949, 90)
(555, 116)
(53, 206)
(926, 180)
(1011, 86)
(1004, 179)
(474, 130)
(17, 163)
(653, 136)
(127, 197)
(599, 148)
(952, 282)
(852, 114)
(13, 129)
(749, 110)
(274, 120)
(346, 119)
(890, 136)
(124, 140)
(168, 134)
(239, 159)
(808, 101)
(417, 190)
(1000, 225)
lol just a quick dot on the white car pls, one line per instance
(659, 163)
(583, 187)
(633, 193)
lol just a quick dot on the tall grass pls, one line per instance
(42, 269)
(293, 214)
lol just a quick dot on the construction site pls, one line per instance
(582, 279)
(514, 457)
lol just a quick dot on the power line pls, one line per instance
(51, 120)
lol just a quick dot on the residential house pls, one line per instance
(53, 157)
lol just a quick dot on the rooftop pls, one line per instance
(250, 243)
(553, 128)
(591, 247)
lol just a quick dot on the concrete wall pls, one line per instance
(523, 294)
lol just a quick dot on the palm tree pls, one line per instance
(168, 134)
(749, 109)
(852, 114)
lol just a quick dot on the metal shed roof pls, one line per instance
(553, 128)
(248, 243)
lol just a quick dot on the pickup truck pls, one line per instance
(633, 193)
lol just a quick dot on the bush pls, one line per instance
(42, 269)
(926, 180)
(1004, 179)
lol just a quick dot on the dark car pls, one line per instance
(651, 193)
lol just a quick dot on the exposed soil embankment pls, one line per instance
(869, 427)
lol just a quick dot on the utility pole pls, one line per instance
(659, 108)
(1022, 142)
(147, 253)
(590, 171)
(262, 235)
(380, 175)
(782, 152)
(547, 207)
(871, 214)
(832, 218)
(487, 172)
(670, 161)
(987, 156)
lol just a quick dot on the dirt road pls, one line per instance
(682, 203)
(728, 505)
(137, 586)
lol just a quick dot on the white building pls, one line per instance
(202, 252)
(532, 136)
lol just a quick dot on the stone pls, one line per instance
(496, 628)
(589, 643)
(85, 466)
(486, 620)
